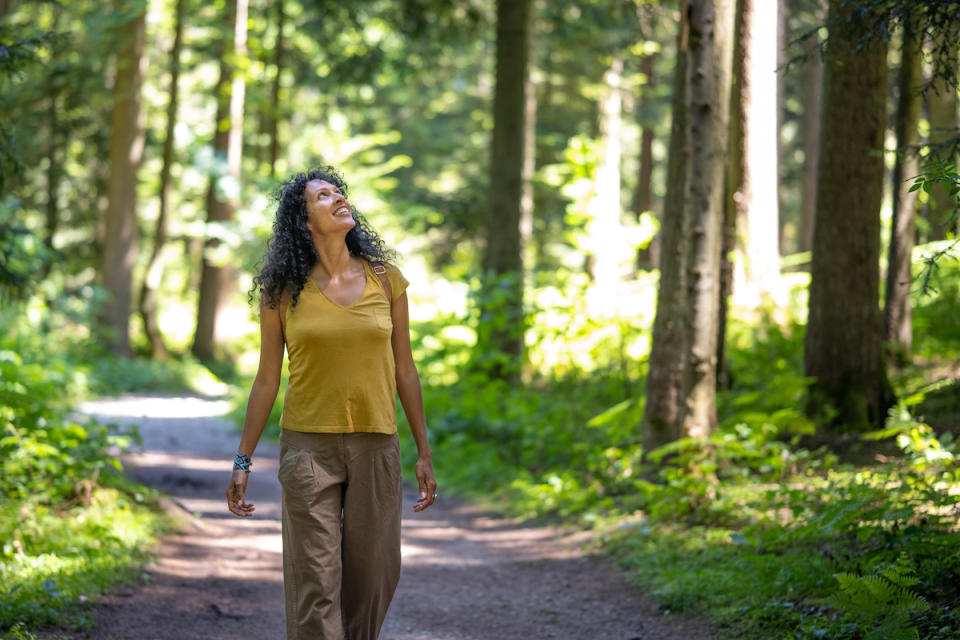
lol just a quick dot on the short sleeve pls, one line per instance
(398, 284)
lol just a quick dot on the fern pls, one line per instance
(882, 601)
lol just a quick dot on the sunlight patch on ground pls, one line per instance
(157, 459)
(411, 550)
(156, 407)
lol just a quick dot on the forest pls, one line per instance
(683, 273)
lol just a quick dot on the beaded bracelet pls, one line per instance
(241, 461)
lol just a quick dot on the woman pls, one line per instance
(328, 295)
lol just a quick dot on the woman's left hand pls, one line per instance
(427, 482)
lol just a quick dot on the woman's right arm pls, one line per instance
(263, 394)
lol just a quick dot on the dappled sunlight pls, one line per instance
(156, 407)
(159, 459)
(261, 565)
(547, 174)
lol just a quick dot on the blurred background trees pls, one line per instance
(654, 246)
(507, 150)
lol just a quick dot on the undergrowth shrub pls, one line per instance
(749, 506)
(70, 525)
(46, 456)
(882, 601)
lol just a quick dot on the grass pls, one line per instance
(55, 558)
(71, 526)
(754, 589)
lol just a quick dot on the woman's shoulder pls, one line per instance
(382, 266)
(398, 283)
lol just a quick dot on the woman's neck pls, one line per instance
(333, 257)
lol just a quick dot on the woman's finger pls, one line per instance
(428, 491)
(235, 500)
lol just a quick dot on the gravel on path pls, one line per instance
(467, 574)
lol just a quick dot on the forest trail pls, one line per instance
(467, 575)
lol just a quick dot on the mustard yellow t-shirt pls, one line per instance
(342, 372)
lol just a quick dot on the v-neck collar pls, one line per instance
(366, 283)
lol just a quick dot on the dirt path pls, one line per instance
(466, 574)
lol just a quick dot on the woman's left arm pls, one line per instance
(411, 397)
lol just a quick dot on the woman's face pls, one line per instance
(328, 212)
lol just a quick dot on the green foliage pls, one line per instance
(55, 557)
(110, 375)
(498, 299)
(22, 254)
(19, 631)
(70, 525)
(936, 315)
(882, 601)
(16, 53)
(746, 526)
(45, 455)
(942, 171)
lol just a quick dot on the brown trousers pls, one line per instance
(341, 532)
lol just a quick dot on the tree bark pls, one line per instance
(53, 169)
(643, 196)
(734, 182)
(782, 42)
(501, 334)
(215, 278)
(708, 103)
(897, 317)
(126, 151)
(664, 389)
(810, 125)
(529, 160)
(154, 272)
(942, 111)
(843, 348)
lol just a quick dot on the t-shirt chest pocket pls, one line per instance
(384, 321)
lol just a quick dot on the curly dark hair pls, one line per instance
(290, 252)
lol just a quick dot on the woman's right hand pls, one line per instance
(235, 493)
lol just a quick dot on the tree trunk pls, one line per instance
(529, 164)
(154, 272)
(126, 150)
(757, 262)
(501, 334)
(810, 126)
(53, 169)
(782, 42)
(942, 107)
(843, 348)
(215, 278)
(897, 320)
(278, 55)
(708, 103)
(643, 196)
(664, 391)
(734, 182)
